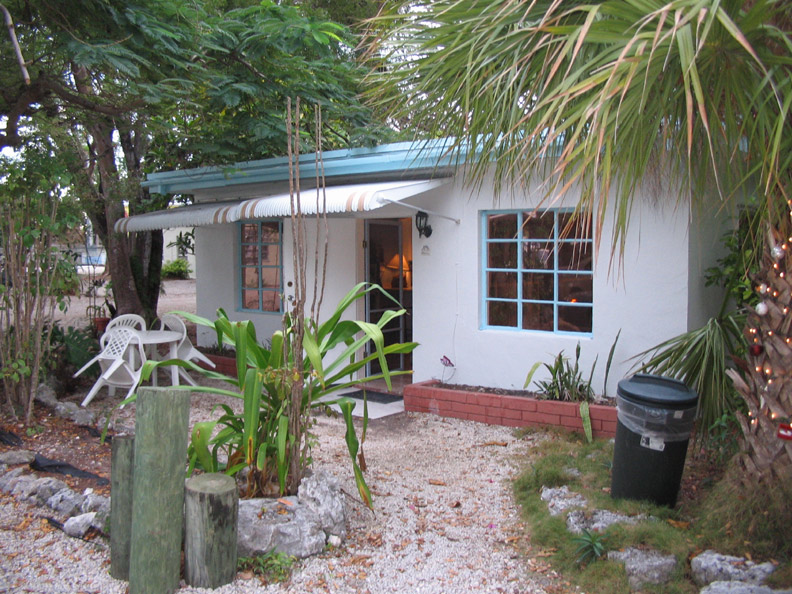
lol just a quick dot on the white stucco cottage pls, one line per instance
(493, 288)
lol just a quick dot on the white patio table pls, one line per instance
(172, 339)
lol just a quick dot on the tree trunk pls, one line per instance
(134, 262)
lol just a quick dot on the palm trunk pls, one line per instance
(766, 384)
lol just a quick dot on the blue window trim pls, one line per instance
(279, 266)
(518, 270)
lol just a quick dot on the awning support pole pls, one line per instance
(416, 208)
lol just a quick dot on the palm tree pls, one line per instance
(693, 94)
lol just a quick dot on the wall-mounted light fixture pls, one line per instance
(422, 224)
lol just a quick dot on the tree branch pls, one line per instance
(15, 42)
(84, 102)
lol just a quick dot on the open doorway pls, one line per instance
(388, 251)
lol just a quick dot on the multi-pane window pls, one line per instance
(260, 265)
(537, 272)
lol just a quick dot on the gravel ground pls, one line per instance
(444, 518)
(444, 521)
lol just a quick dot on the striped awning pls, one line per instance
(338, 200)
(192, 215)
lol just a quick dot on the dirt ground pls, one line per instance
(175, 295)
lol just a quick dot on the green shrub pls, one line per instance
(272, 567)
(176, 269)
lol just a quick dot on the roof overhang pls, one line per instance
(348, 200)
(395, 161)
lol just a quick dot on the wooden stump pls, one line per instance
(210, 538)
(161, 428)
(121, 463)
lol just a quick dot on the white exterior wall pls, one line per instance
(656, 293)
(648, 300)
(217, 283)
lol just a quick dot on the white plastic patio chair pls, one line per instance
(133, 321)
(121, 361)
(185, 350)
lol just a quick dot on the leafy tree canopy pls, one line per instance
(139, 85)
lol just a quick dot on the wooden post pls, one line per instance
(161, 428)
(210, 536)
(121, 463)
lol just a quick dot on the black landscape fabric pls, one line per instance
(43, 464)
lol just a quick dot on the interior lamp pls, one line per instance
(394, 263)
(422, 224)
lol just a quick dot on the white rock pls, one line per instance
(711, 566)
(77, 526)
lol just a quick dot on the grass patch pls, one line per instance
(743, 519)
(723, 515)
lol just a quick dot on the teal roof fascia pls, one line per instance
(405, 158)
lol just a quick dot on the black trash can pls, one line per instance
(655, 418)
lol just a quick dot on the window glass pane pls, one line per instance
(250, 278)
(269, 232)
(249, 232)
(574, 319)
(249, 255)
(270, 301)
(550, 285)
(571, 226)
(502, 255)
(502, 226)
(250, 299)
(377, 300)
(269, 255)
(538, 255)
(502, 284)
(500, 313)
(270, 278)
(574, 288)
(538, 286)
(538, 226)
(537, 316)
(575, 255)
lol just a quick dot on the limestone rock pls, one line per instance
(645, 566)
(94, 502)
(77, 526)
(598, 521)
(66, 502)
(290, 528)
(8, 480)
(101, 520)
(25, 487)
(12, 457)
(65, 409)
(46, 487)
(711, 566)
(736, 588)
(561, 499)
(46, 395)
(321, 492)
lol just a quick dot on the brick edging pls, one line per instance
(223, 364)
(511, 411)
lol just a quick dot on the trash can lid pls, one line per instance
(665, 392)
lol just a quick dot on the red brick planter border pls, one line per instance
(226, 365)
(511, 411)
